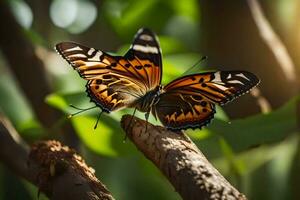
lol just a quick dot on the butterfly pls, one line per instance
(134, 81)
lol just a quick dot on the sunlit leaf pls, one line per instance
(188, 8)
(98, 140)
(62, 101)
(170, 45)
(107, 139)
(31, 130)
(134, 14)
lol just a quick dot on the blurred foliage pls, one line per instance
(255, 153)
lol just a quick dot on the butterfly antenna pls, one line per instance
(80, 110)
(98, 119)
(191, 68)
(129, 124)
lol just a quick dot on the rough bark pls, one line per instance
(55, 169)
(180, 161)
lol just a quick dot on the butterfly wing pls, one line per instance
(145, 55)
(179, 111)
(112, 81)
(188, 102)
(115, 82)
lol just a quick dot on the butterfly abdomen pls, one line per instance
(145, 103)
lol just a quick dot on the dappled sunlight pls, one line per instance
(77, 18)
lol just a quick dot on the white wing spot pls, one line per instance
(89, 64)
(217, 77)
(229, 76)
(96, 57)
(235, 81)
(73, 49)
(221, 87)
(146, 37)
(243, 76)
(79, 55)
(140, 31)
(91, 51)
(145, 49)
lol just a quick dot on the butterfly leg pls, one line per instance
(80, 110)
(98, 119)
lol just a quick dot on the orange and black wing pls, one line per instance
(179, 111)
(113, 92)
(115, 82)
(188, 102)
(145, 56)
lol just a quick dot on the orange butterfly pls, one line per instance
(134, 80)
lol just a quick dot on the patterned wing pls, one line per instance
(145, 55)
(112, 92)
(188, 102)
(93, 64)
(179, 111)
(115, 82)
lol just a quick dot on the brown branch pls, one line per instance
(13, 151)
(55, 169)
(273, 41)
(181, 162)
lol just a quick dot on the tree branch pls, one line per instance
(180, 160)
(55, 169)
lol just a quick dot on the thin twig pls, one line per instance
(180, 161)
(272, 41)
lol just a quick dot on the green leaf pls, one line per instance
(188, 8)
(259, 129)
(176, 64)
(98, 140)
(62, 101)
(237, 166)
(120, 18)
(107, 139)
(12, 101)
(170, 45)
(274, 171)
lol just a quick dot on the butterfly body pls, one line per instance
(148, 101)
(134, 81)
